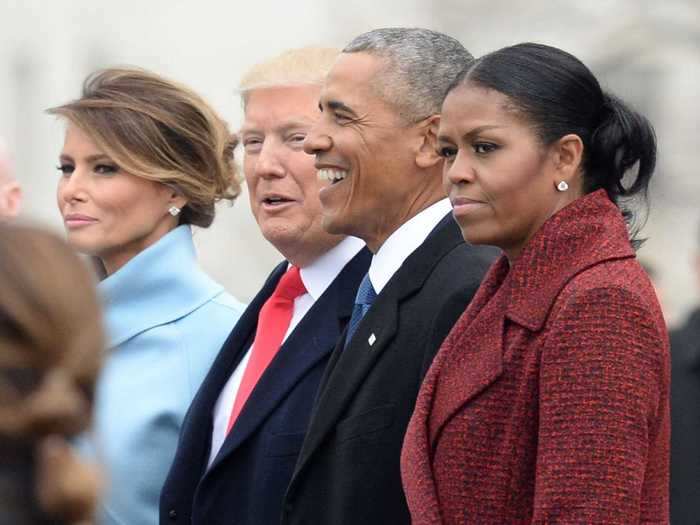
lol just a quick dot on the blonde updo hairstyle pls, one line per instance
(161, 131)
(51, 344)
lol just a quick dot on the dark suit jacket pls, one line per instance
(548, 403)
(348, 469)
(246, 482)
(685, 422)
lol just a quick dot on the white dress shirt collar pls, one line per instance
(404, 241)
(318, 275)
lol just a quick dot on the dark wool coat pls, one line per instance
(548, 402)
(685, 423)
(348, 469)
(245, 483)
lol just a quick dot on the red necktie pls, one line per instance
(273, 322)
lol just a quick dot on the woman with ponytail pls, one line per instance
(51, 346)
(549, 400)
(144, 161)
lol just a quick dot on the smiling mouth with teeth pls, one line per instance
(332, 175)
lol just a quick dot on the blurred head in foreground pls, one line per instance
(50, 352)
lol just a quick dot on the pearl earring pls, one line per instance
(562, 186)
(174, 211)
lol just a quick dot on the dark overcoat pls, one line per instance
(348, 469)
(246, 481)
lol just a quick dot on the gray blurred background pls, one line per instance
(648, 52)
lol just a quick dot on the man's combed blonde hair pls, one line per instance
(307, 65)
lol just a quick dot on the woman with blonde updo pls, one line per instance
(144, 160)
(50, 351)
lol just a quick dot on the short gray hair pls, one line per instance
(420, 67)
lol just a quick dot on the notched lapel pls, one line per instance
(472, 368)
(197, 426)
(299, 353)
(234, 348)
(295, 358)
(352, 366)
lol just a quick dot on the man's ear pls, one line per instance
(426, 154)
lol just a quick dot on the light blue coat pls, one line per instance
(166, 321)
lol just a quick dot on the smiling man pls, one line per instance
(241, 437)
(376, 143)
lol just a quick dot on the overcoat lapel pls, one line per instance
(467, 373)
(298, 354)
(374, 335)
(198, 423)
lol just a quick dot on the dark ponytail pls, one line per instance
(559, 95)
(624, 140)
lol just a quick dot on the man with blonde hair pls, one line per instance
(240, 440)
(10, 191)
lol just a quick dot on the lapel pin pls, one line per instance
(372, 339)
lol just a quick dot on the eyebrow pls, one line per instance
(336, 105)
(91, 158)
(286, 125)
(480, 129)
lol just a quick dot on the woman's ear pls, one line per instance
(568, 154)
(427, 155)
(177, 199)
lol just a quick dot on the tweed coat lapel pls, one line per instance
(472, 371)
(298, 354)
(350, 366)
(521, 295)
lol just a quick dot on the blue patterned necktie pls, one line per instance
(364, 299)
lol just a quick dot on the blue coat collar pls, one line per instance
(161, 284)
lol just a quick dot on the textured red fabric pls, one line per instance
(548, 402)
(273, 322)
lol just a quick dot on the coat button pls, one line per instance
(172, 514)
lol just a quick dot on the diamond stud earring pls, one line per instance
(174, 211)
(562, 186)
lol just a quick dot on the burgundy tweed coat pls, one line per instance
(548, 402)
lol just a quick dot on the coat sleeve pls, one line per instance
(602, 452)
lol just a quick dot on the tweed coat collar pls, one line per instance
(588, 231)
(159, 285)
